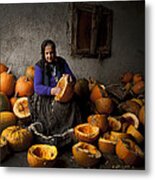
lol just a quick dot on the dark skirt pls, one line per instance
(53, 116)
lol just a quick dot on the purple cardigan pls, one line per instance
(39, 86)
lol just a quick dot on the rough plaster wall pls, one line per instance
(24, 26)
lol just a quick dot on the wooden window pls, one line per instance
(91, 30)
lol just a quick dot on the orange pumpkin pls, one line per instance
(99, 120)
(66, 85)
(137, 77)
(129, 152)
(139, 87)
(86, 132)
(104, 105)
(7, 82)
(126, 77)
(19, 138)
(85, 154)
(30, 72)
(42, 155)
(24, 86)
(98, 91)
(3, 68)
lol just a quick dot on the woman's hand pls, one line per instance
(55, 91)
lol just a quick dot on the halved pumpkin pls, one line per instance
(141, 115)
(135, 133)
(42, 155)
(126, 77)
(106, 145)
(115, 136)
(104, 105)
(21, 108)
(129, 152)
(86, 132)
(130, 118)
(85, 154)
(98, 91)
(99, 120)
(114, 124)
(66, 85)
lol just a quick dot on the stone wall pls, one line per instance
(23, 27)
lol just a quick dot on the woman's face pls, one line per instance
(49, 53)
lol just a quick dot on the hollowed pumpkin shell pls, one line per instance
(19, 138)
(86, 132)
(141, 115)
(21, 108)
(66, 85)
(98, 91)
(127, 77)
(114, 124)
(85, 154)
(135, 134)
(42, 155)
(99, 120)
(129, 152)
(104, 105)
(106, 145)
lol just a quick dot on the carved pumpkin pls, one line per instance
(30, 72)
(42, 155)
(7, 82)
(21, 108)
(66, 85)
(99, 121)
(4, 102)
(129, 152)
(85, 154)
(19, 138)
(86, 132)
(24, 86)
(7, 119)
(3, 68)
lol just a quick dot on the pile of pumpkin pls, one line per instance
(115, 127)
(14, 114)
(103, 132)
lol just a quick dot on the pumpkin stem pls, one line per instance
(9, 70)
